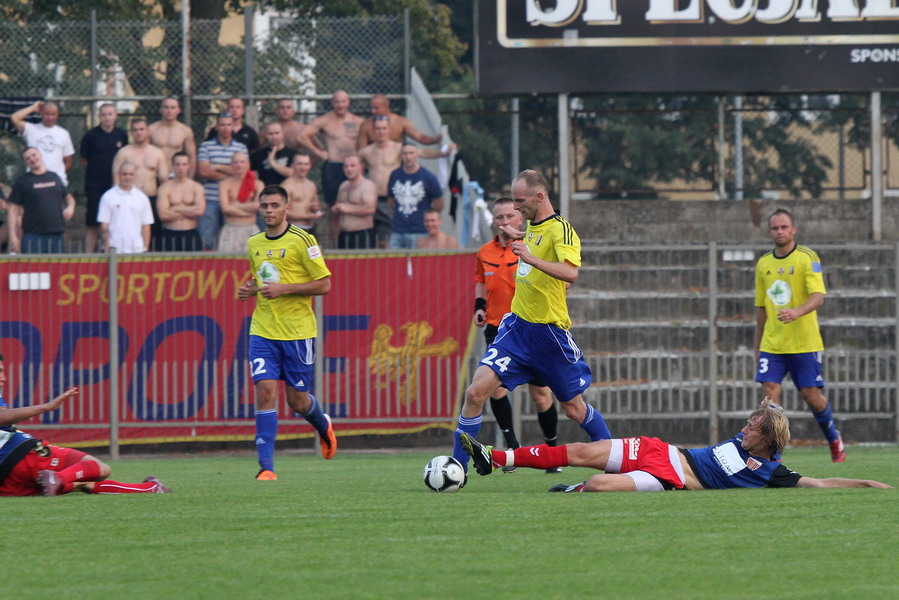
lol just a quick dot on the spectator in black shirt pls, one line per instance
(41, 204)
(98, 150)
(243, 133)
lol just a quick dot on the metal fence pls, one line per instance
(666, 330)
(668, 333)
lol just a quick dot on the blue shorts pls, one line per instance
(523, 351)
(291, 361)
(804, 368)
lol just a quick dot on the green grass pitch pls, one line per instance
(365, 526)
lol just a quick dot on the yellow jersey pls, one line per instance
(540, 298)
(292, 257)
(787, 282)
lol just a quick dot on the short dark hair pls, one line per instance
(782, 211)
(503, 200)
(275, 190)
(223, 115)
(177, 154)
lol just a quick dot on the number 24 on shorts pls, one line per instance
(501, 363)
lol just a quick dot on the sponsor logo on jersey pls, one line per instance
(314, 252)
(753, 463)
(780, 293)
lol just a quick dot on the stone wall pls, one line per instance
(729, 221)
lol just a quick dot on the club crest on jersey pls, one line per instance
(530, 237)
(539, 239)
(282, 253)
(753, 463)
(268, 273)
(780, 293)
(780, 271)
(268, 254)
(792, 269)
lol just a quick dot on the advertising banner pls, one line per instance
(393, 336)
(603, 46)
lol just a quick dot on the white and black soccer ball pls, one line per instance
(444, 474)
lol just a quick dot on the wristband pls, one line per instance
(480, 304)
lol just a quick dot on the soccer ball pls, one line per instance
(444, 474)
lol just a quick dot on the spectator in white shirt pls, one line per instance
(54, 142)
(125, 215)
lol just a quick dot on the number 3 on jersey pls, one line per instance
(501, 363)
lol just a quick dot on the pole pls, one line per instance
(249, 80)
(713, 343)
(185, 62)
(564, 161)
(407, 53)
(738, 148)
(114, 392)
(514, 140)
(94, 63)
(722, 143)
(876, 168)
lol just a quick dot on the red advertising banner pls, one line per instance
(394, 333)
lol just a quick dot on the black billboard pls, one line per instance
(584, 46)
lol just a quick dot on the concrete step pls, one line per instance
(589, 305)
(831, 255)
(672, 367)
(738, 278)
(866, 397)
(692, 334)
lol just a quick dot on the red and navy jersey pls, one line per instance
(728, 465)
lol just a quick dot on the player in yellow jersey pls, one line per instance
(789, 289)
(533, 340)
(288, 270)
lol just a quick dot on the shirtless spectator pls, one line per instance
(243, 133)
(181, 203)
(149, 162)
(355, 207)
(339, 129)
(172, 136)
(383, 157)
(304, 208)
(435, 239)
(271, 163)
(53, 142)
(290, 127)
(239, 201)
(399, 127)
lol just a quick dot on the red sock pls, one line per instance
(541, 457)
(83, 470)
(117, 487)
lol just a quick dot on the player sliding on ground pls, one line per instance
(645, 464)
(30, 467)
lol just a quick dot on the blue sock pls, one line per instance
(316, 417)
(825, 422)
(266, 432)
(470, 426)
(595, 425)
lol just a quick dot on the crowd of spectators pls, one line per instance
(154, 188)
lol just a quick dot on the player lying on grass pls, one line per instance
(644, 464)
(30, 467)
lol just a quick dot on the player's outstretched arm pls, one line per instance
(11, 416)
(838, 482)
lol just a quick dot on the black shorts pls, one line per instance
(93, 207)
(490, 332)
(170, 240)
(356, 240)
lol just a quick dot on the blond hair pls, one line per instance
(773, 425)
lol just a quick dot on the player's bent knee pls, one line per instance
(607, 482)
(575, 409)
(104, 468)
